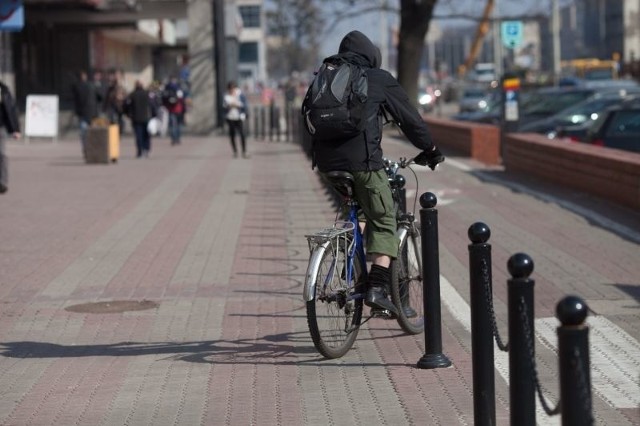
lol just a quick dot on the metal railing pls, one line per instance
(575, 404)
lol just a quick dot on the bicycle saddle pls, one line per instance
(342, 182)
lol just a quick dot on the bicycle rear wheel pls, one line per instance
(406, 282)
(333, 315)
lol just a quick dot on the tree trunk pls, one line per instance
(415, 16)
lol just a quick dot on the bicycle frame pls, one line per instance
(336, 279)
(357, 250)
(322, 241)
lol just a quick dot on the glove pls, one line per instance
(430, 158)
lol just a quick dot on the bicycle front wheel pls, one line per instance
(333, 314)
(406, 282)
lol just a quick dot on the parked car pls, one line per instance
(490, 114)
(618, 127)
(484, 72)
(475, 98)
(548, 101)
(428, 98)
(581, 114)
(579, 132)
(598, 84)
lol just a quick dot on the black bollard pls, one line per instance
(255, 123)
(573, 355)
(271, 122)
(521, 345)
(482, 359)
(433, 356)
(276, 123)
(263, 121)
(287, 122)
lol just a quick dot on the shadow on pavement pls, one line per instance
(276, 349)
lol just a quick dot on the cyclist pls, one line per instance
(362, 156)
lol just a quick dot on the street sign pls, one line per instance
(511, 33)
(11, 15)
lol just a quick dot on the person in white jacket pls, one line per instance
(235, 106)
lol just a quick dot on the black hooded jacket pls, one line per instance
(363, 152)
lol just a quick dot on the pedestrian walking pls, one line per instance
(114, 102)
(155, 102)
(235, 106)
(101, 89)
(138, 107)
(9, 124)
(85, 100)
(173, 100)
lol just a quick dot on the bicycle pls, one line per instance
(334, 289)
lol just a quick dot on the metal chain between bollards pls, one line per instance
(580, 375)
(487, 292)
(528, 337)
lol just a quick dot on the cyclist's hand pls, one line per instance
(430, 158)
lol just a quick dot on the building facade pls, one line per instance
(252, 60)
(145, 40)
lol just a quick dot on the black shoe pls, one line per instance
(409, 312)
(382, 313)
(377, 298)
(3, 188)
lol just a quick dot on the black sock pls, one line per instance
(379, 276)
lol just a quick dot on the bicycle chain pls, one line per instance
(489, 299)
(524, 318)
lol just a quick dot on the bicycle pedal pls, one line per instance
(382, 313)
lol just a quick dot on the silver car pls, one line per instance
(475, 99)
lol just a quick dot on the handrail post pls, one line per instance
(573, 356)
(433, 357)
(482, 357)
(521, 350)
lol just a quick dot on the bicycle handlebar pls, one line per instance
(402, 163)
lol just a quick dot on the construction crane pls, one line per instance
(481, 32)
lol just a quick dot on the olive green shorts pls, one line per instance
(373, 193)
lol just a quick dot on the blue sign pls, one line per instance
(512, 33)
(11, 15)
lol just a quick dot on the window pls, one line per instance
(250, 16)
(624, 123)
(248, 52)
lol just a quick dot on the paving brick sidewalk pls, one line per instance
(201, 259)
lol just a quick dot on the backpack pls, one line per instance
(334, 106)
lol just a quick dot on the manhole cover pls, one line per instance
(112, 307)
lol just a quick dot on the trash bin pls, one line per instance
(102, 144)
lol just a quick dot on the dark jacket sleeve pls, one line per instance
(10, 114)
(407, 117)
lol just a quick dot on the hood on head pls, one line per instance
(356, 42)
